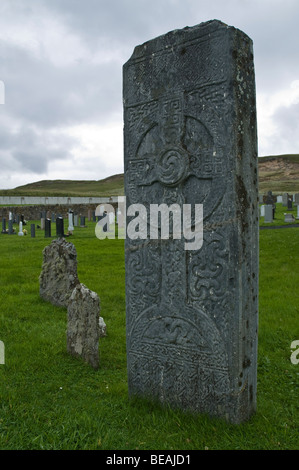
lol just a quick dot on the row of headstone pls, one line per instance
(284, 198)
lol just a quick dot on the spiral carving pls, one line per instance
(172, 167)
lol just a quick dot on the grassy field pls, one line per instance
(50, 400)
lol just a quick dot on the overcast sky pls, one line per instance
(61, 66)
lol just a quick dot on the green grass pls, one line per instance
(279, 216)
(51, 400)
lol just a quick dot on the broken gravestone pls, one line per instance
(59, 284)
(59, 276)
(83, 325)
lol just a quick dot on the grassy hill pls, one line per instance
(111, 186)
(278, 173)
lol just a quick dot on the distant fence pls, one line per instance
(54, 200)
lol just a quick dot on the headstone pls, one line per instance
(82, 221)
(76, 220)
(290, 204)
(71, 223)
(279, 199)
(10, 216)
(59, 276)
(83, 328)
(289, 218)
(10, 227)
(285, 198)
(296, 199)
(21, 233)
(32, 228)
(48, 228)
(89, 215)
(53, 218)
(190, 138)
(262, 210)
(59, 227)
(42, 223)
(298, 210)
(4, 225)
(268, 213)
(269, 198)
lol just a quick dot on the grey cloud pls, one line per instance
(50, 96)
(42, 96)
(32, 151)
(287, 121)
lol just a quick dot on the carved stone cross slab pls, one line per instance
(190, 138)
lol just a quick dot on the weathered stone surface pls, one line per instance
(190, 138)
(83, 328)
(59, 276)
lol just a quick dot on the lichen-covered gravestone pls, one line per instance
(190, 138)
(59, 276)
(83, 325)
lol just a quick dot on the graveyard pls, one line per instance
(146, 343)
(52, 400)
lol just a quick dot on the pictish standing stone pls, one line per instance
(59, 276)
(190, 138)
(83, 327)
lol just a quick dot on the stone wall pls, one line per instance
(34, 212)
